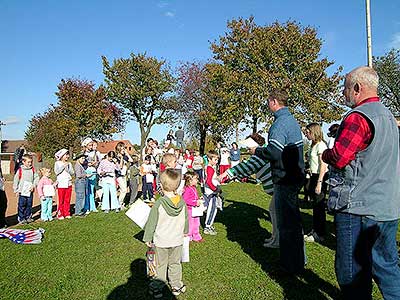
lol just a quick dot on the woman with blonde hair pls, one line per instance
(123, 161)
(317, 186)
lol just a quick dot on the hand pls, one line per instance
(222, 176)
(252, 150)
(198, 202)
(149, 244)
(318, 188)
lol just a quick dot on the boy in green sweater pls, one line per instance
(165, 229)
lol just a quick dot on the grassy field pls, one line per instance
(102, 257)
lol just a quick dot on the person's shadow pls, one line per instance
(250, 236)
(137, 286)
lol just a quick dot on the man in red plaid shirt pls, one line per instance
(365, 193)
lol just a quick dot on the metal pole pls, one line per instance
(1, 135)
(369, 42)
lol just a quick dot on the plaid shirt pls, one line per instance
(355, 137)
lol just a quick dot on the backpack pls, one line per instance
(20, 172)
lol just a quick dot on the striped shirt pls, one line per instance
(254, 165)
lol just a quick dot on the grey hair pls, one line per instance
(364, 75)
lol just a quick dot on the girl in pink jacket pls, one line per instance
(46, 191)
(192, 199)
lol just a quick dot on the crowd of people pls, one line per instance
(359, 167)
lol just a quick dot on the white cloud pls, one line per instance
(162, 4)
(11, 120)
(169, 14)
(395, 42)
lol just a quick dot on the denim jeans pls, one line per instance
(291, 238)
(25, 207)
(366, 249)
(80, 193)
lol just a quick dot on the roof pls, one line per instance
(9, 146)
(105, 147)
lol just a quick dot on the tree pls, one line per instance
(259, 59)
(81, 111)
(200, 104)
(143, 86)
(388, 68)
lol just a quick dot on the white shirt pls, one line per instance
(314, 158)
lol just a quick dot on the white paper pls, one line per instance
(185, 249)
(197, 211)
(26, 188)
(249, 143)
(139, 213)
(63, 182)
(48, 190)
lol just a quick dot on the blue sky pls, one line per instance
(43, 41)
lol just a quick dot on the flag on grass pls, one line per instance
(23, 236)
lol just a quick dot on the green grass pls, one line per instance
(101, 257)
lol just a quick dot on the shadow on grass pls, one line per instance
(137, 285)
(250, 236)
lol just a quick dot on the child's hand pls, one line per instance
(149, 244)
(198, 202)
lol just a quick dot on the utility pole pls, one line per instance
(369, 42)
(1, 135)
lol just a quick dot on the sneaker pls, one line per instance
(198, 241)
(146, 201)
(309, 234)
(268, 240)
(314, 238)
(210, 231)
(117, 210)
(30, 220)
(68, 217)
(87, 212)
(60, 218)
(272, 244)
(106, 211)
(23, 222)
(178, 291)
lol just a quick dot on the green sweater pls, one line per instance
(167, 223)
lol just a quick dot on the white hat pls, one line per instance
(60, 153)
(86, 142)
(250, 143)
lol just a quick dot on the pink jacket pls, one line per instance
(190, 196)
(43, 181)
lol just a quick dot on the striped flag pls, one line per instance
(23, 236)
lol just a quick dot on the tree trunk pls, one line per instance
(255, 119)
(203, 134)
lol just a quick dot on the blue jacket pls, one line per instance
(284, 149)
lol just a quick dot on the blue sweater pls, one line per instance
(284, 149)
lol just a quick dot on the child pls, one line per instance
(64, 172)
(146, 170)
(80, 184)
(198, 168)
(165, 228)
(211, 190)
(123, 160)
(25, 181)
(46, 192)
(168, 161)
(192, 199)
(106, 170)
(224, 161)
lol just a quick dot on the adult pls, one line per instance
(123, 160)
(316, 187)
(285, 153)
(179, 136)
(365, 187)
(234, 154)
(170, 136)
(19, 152)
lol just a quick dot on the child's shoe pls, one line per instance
(106, 211)
(117, 210)
(178, 291)
(68, 217)
(30, 220)
(60, 218)
(210, 231)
